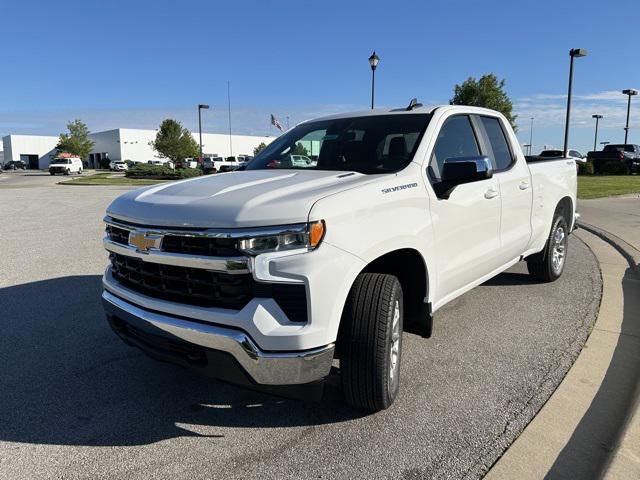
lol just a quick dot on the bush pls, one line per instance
(585, 168)
(161, 172)
(614, 167)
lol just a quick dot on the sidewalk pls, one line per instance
(617, 215)
(590, 427)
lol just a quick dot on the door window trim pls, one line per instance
(489, 148)
(474, 129)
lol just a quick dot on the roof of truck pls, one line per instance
(425, 109)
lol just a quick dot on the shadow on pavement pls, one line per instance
(589, 449)
(512, 278)
(66, 379)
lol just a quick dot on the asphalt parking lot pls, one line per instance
(76, 402)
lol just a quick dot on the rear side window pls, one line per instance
(502, 158)
(455, 139)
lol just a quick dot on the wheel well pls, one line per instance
(566, 207)
(409, 267)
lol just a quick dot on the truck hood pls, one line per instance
(242, 199)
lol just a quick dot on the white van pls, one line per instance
(66, 166)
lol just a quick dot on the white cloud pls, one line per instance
(244, 120)
(550, 109)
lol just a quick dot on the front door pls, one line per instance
(467, 224)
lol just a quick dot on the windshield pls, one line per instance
(61, 161)
(371, 144)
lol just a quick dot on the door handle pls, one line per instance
(523, 185)
(491, 193)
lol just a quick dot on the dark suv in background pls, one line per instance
(15, 165)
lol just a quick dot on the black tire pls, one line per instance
(370, 373)
(67, 172)
(51, 173)
(544, 266)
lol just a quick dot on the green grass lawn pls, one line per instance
(597, 186)
(109, 179)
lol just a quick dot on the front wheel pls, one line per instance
(548, 265)
(371, 341)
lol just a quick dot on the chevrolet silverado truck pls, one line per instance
(278, 274)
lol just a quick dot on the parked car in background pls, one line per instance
(165, 163)
(118, 166)
(263, 276)
(66, 166)
(190, 163)
(302, 161)
(576, 155)
(628, 154)
(15, 165)
(219, 164)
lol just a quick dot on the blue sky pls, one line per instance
(133, 63)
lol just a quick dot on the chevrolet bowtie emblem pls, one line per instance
(144, 241)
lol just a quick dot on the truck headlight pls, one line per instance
(300, 236)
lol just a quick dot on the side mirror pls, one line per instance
(456, 171)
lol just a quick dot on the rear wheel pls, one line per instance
(371, 341)
(548, 265)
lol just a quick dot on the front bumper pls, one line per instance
(225, 353)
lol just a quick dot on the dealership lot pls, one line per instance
(78, 403)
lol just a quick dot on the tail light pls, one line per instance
(621, 156)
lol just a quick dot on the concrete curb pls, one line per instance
(590, 426)
(625, 249)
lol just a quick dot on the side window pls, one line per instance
(455, 139)
(502, 158)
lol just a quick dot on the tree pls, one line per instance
(174, 142)
(299, 149)
(76, 141)
(487, 92)
(259, 148)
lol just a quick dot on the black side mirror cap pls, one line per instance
(456, 171)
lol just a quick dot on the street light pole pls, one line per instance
(373, 63)
(531, 136)
(629, 92)
(200, 107)
(573, 53)
(595, 138)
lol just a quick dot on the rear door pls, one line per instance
(516, 194)
(467, 224)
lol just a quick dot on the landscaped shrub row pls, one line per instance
(612, 167)
(585, 168)
(161, 172)
(615, 167)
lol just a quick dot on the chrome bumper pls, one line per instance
(265, 368)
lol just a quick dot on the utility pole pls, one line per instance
(229, 108)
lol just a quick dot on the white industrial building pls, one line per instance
(35, 150)
(122, 144)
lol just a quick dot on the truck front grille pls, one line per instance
(207, 246)
(196, 286)
(190, 245)
(118, 235)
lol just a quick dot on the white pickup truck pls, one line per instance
(267, 275)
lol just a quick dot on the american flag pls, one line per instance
(276, 123)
